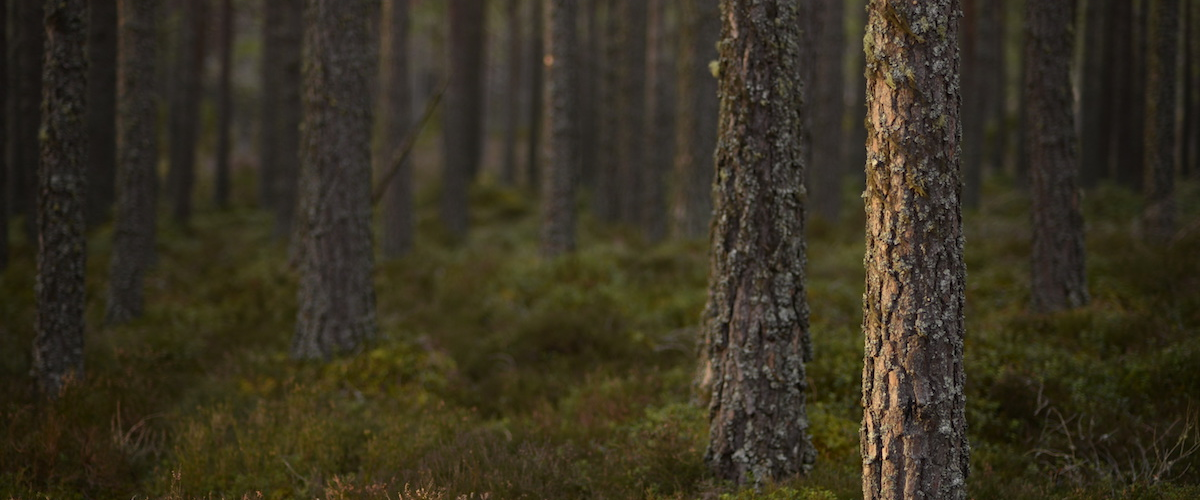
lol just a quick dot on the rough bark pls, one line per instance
(606, 202)
(337, 297)
(828, 166)
(631, 131)
(222, 188)
(512, 107)
(184, 119)
(24, 107)
(1059, 279)
(660, 123)
(462, 133)
(562, 114)
(533, 157)
(1095, 113)
(1160, 149)
(756, 320)
(102, 111)
(62, 184)
(395, 97)
(914, 432)
(135, 217)
(698, 109)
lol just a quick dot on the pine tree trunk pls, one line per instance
(857, 139)
(1130, 170)
(697, 114)
(394, 100)
(136, 213)
(991, 55)
(1059, 278)
(337, 297)
(533, 156)
(828, 167)
(102, 111)
(512, 108)
(974, 76)
(222, 187)
(660, 125)
(562, 114)
(186, 93)
(1095, 114)
(272, 74)
(607, 202)
(631, 131)
(4, 92)
(463, 112)
(914, 432)
(62, 186)
(756, 320)
(1191, 163)
(588, 88)
(25, 53)
(286, 189)
(1161, 101)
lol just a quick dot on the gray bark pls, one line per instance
(533, 157)
(562, 114)
(102, 110)
(1161, 137)
(462, 131)
(756, 320)
(914, 432)
(394, 99)
(698, 109)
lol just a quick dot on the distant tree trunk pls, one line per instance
(25, 97)
(698, 109)
(857, 138)
(991, 55)
(1191, 160)
(222, 181)
(1120, 134)
(1160, 119)
(62, 184)
(102, 111)
(290, 113)
(588, 88)
(4, 159)
(607, 200)
(828, 166)
(562, 115)
(1132, 132)
(186, 93)
(914, 432)
(756, 320)
(462, 132)
(337, 298)
(1059, 277)
(512, 108)
(1094, 112)
(137, 159)
(536, 64)
(632, 106)
(272, 74)
(394, 101)
(974, 77)
(660, 125)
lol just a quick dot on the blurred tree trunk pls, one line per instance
(394, 102)
(1058, 274)
(533, 156)
(184, 115)
(974, 75)
(631, 131)
(25, 51)
(337, 297)
(660, 123)
(562, 116)
(222, 188)
(588, 88)
(698, 107)
(279, 166)
(607, 202)
(914, 432)
(102, 111)
(856, 140)
(136, 211)
(1095, 113)
(512, 107)
(991, 45)
(756, 321)
(62, 186)
(272, 74)
(1191, 159)
(462, 132)
(1160, 149)
(1131, 132)
(1121, 134)
(828, 166)
(4, 92)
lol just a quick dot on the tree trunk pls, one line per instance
(102, 111)
(1191, 161)
(607, 200)
(660, 121)
(4, 92)
(756, 320)
(394, 99)
(272, 74)
(290, 114)
(25, 53)
(62, 184)
(588, 90)
(631, 131)
(136, 211)
(828, 166)
(1161, 101)
(222, 188)
(463, 125)
(914, 432)
(512, 108)
(562, 114)
(337, 297)
(974, 77)
(698, 108)
(1059, 277)
(1094, 111)
(857, 138)
(533, 157)
(1130, 169)
(186, 93)
(991, 55)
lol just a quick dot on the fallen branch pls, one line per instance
(405, 148)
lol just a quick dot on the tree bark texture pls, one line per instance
(337, 296)
(562, 116)
(222, 187)
(1095, 111)
(606, 204)
(631, 104)
(186, 93)
(756, 320)
(1059, 277)
(136, 213)
(1160, 120)
(533, 157)
(512, 108)
(395, 97)
(62, 186)
(660, 122)
(698, 109)
(828, 166)
(102, 111)
(462, 135)
(25, 51)
(914, 432)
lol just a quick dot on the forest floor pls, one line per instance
(499, 375)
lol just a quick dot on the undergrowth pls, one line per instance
(497, 374)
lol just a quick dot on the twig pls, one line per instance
(405, 148)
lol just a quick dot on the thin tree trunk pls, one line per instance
(462, 132)
(659, 119)
(25, 98)
(136, 214)
(1191, 161)
(856, 142)
(1161, 136)
(607, 202)
(828, 166)
(102, 111)
(272, 73)
(756, 321)
(992, 46)
(185, 112)
(562, 113)
(337, 297)
(631, 132)
(395, 99)
(914, 432)
(290, 113)
(1059, 280)
(512, 108)
(533, 157)
(1094, 111)
(222, 188)
(974, 75)
(698, 109)
(4, 158)
(62, 186)
(588, 89)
